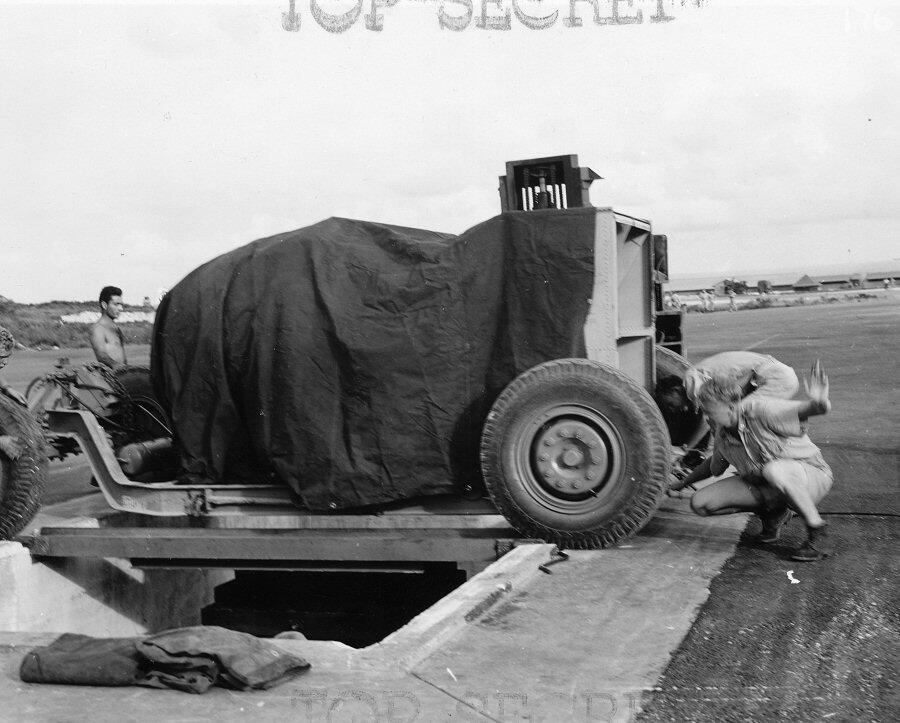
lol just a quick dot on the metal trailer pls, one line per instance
(574, 451)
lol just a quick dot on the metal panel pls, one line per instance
(634, 280)
(601, 326)
(635, 358)
(245, 548)
(620, 330)
(301, 520)
(634, 270)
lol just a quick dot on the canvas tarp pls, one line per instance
(356, 361)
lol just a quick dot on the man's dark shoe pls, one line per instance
(772, 525)
(815, 547)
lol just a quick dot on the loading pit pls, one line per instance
(357, 606)
(355, 579)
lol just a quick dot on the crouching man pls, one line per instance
(754, 373)
(779, 470)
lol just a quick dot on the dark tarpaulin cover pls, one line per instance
(356, 361)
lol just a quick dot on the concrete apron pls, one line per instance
(99, 597)
(513, 643)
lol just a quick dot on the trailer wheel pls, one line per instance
(576, 453)
(682, 423)
(22, 479)
(36, 388)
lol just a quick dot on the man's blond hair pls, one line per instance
(719, 390)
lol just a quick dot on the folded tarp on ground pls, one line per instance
(189, 659)
(356, 361)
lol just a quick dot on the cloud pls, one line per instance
(140, 142)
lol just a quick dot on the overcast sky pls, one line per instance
(138, 141)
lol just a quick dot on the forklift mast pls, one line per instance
(551, 182)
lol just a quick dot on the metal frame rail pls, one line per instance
(267, 548)
(256, 526)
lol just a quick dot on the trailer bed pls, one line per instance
(469, 533)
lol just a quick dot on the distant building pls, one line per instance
(835, 281)
(692, 286)
(779, 282)
(805, 283)
(782, 282)
(877, 278)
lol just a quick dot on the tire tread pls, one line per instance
(628, 521)
(25, 477)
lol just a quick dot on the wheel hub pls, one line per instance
(572, 455)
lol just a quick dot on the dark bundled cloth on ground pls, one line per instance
(356, 361)
(189, 659)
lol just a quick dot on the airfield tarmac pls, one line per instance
(824, 648)
(763, 647)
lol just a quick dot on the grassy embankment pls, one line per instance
(38, 326)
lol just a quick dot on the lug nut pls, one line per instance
(575, 485)
(589, 476)
(544, 457)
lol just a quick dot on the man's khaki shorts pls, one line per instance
(815, 477)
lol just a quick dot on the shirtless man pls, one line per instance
(106, 338)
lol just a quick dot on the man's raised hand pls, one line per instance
(817, 386)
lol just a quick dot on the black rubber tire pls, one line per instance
(22, 480)
(34, 388)
(135, 380)
(668, 363)
(59, 447)
(624, 446)
(683, 426)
